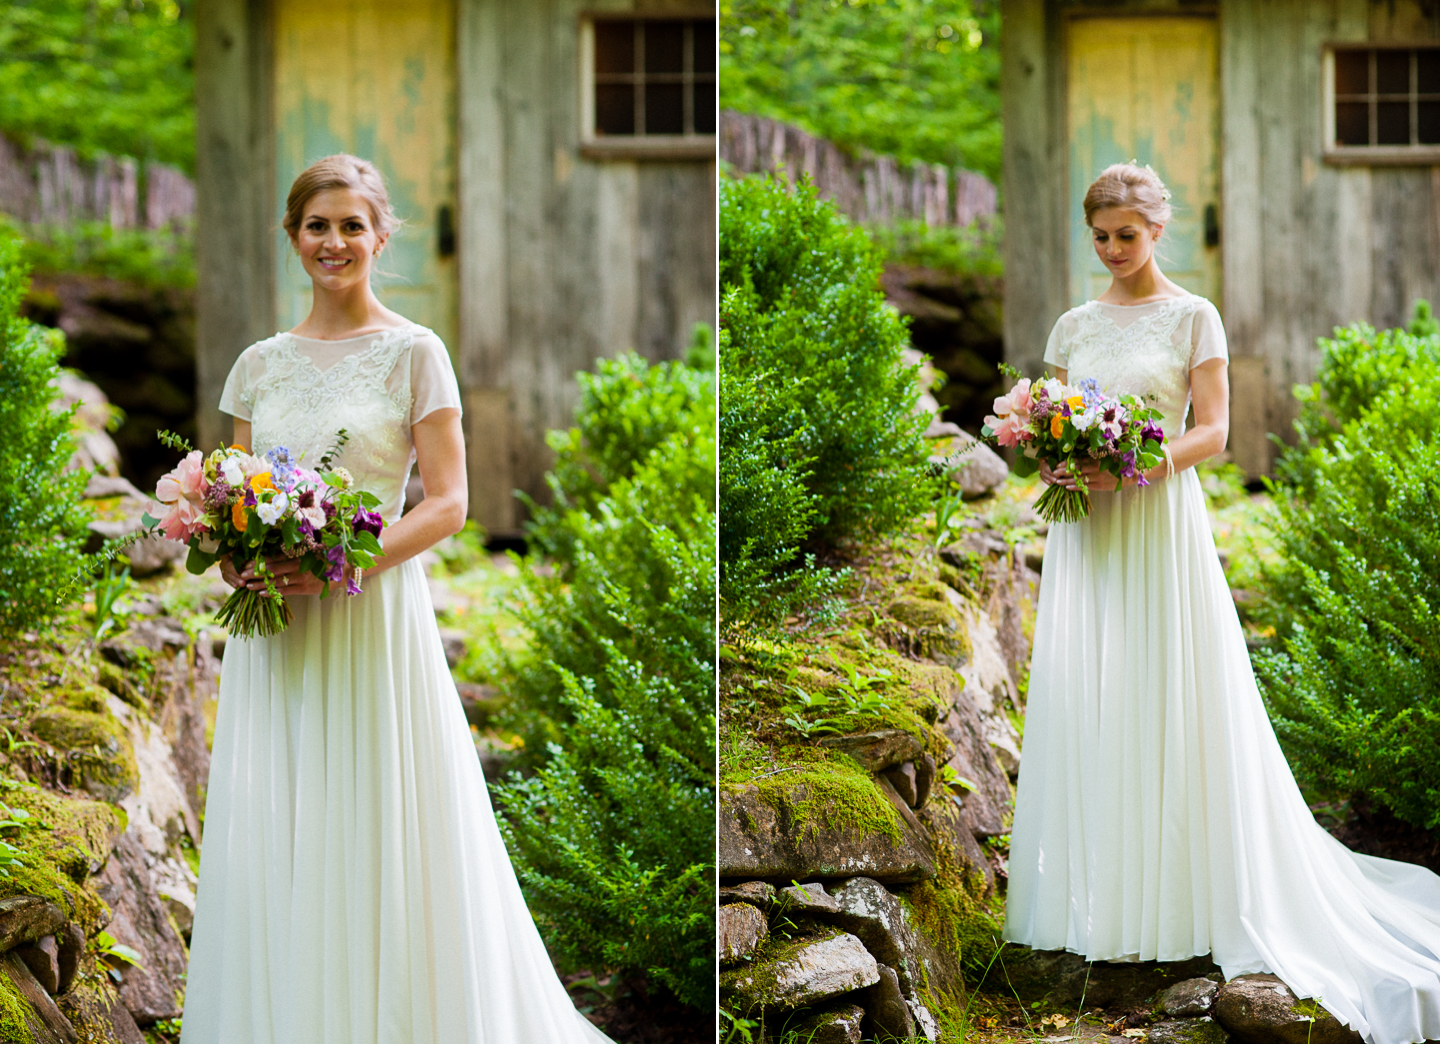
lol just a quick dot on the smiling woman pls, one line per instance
(355, 885)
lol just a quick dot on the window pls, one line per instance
(649, 87)
(1383, 104)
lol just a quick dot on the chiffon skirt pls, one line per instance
(354, 888)
(1156, 817)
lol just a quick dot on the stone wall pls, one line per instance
(44, 184)
(866, 187)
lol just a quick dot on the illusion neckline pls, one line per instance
(1187, 295)
(358, 337)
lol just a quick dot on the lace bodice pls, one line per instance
(300, 392)
(1146, 350)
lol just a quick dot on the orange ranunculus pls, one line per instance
(237, 515)
(262, 481)
(237, 446)
(1057, 425)
(1076, 402)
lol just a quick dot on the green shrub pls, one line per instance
(1354, 693)
(974, 250)
(151, 258)
(821, 446)
(40, 513)
(613, 834)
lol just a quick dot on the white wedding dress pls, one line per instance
(1156, 817)
(354, 888)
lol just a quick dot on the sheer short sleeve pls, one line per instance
(432, 378)
(1207, 336)
(238, 396)
(1057, 348)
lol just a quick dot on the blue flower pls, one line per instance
(1091, 393)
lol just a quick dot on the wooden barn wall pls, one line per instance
(1307, 246)
(563, 259)
(234, 208)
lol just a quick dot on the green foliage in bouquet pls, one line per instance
(1354, 692)
(821, 446)
(41, 518)
(613, 833)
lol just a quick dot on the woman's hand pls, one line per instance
(286, 575)
(1096, 481)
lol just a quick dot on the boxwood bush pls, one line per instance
(612, 833)
(41, 521)
(820, 445)
(1354, 687)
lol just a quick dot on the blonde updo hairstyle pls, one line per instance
(1127, 186)
(341, 171)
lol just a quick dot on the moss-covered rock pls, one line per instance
(65, 841)
(796, 973)
(932, 622)
(100, 750)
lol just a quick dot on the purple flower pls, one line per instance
(217, 497)
(368, 522)
(1091, 393)
(250, 500)
(282, 468)
(336, 557)
(352, 586)
(1152, 432)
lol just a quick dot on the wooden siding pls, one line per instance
(560, 259)
(375, 78)
(235, 296)
(1305, 245)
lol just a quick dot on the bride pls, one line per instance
(1156, 817)
(354, 887)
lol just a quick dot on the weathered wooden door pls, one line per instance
(375, 78)
(1148, 89)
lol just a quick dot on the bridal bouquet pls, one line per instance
(1055, 423)
(254, 508)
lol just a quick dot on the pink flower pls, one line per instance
(1008, 430)
(187, 481)
(1017, 401)
(184, 519)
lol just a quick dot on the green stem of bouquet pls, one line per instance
(1058, 504)
(250, 614)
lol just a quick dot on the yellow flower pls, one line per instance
(262, 481)
(1057, 425)
(238, 516)
(1076, 402)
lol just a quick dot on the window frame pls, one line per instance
(635, 146)
(1368, 155)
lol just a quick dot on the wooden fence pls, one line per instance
(44, 184)
(866, 187)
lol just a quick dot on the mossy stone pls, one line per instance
(933, 624)
(115, 680)
(107, 764)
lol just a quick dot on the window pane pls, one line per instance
(1429, 123)
(614, 108)
(1428, 63)
(704, 46)
(664, 47)
(1392, 124)
(614, 47)
(1352, 72)
(664, 108)
(1352, 123)
(1392, 73)
(704, 107)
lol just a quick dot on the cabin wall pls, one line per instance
(599, 256)
(561, 259)
(234, 205)
(1306, 245)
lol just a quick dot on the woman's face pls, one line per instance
(337, 239)
(1124, 240)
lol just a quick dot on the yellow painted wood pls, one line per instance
(1147, 89)
(375, 78)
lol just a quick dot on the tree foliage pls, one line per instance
(109, 75)
(915, 79)
(1355, 692)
